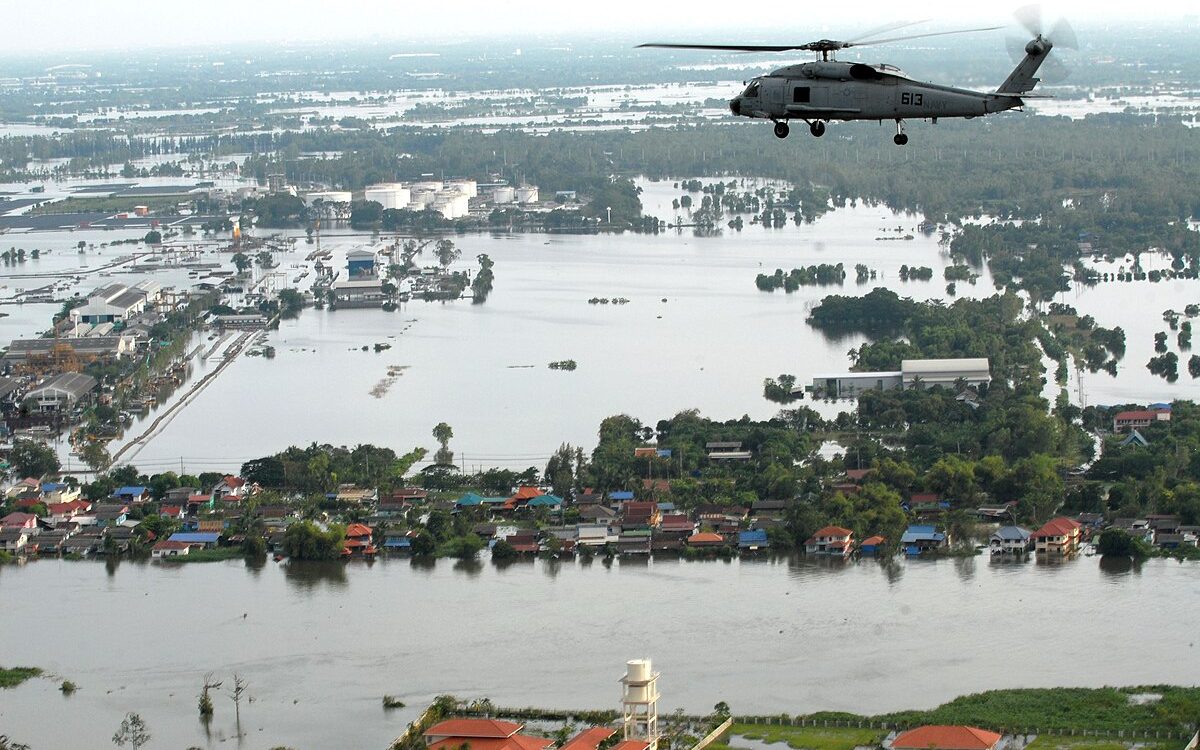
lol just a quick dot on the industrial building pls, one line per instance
(913, 373)
(360, 263)
(83, 349)
(60, 393)
(391, 195)
(116, 303)
(363, 287)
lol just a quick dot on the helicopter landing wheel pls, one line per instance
(782, 129)
(900, 139)
(817, 128)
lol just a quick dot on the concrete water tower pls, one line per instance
(639, 699)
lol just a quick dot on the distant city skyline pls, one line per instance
(63, 25)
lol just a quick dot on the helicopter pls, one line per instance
(829, 89)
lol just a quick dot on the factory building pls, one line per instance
(913, 373)
(117, 303)
(60, 393)
(360, 263)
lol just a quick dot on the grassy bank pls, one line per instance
(207, 555)
(13, 676)
(1066, 709)
(808, 738)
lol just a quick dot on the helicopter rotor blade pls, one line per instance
(885, 29)
(1030, 17)
(725, 47)
(1016, 48)
(1062, 35)
(921, 36)
(1053, 71)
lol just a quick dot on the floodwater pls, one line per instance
(320, 645)
(696, 333)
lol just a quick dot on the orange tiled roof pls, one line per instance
(589, 739)
(473, 728)
(946, 738)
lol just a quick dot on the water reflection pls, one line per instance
(965, 567)
(471, 567)
(1119, 567)
(310, 575)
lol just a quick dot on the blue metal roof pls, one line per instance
(753, 536)
(195, 537)
(664, 452)
(469, 500)
(129, 491)
(621, 495)
(397, 541)
(922, 534)
(53, 486)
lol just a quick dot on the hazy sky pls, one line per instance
(32, 25)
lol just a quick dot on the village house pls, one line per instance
(594, 535)
(589, 739)
(350, 494)
(753, 540)
(1058, 536)
(18, 520)
(640, 514)
(635, 542)
(768, 509)
(358, 541)
(196, 539)
(1139, 419)
(549, 503)
(15, 539)
(705, 540)
(132, 495)
(60, 513)
(59, 492)
(169, 548)
(834, 541)
(872, 545)
(1010, 540)
(920, 539)
(230, 488)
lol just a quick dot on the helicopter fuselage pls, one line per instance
(827, 90)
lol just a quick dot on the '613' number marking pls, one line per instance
(915, 100)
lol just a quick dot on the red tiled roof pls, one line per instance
(873, 541)
(233, 482)
(946, 738)
(516, 742)
(631, 745)
(357, 530)
(17, 520)
(1058, 527)
(169, 510)
(857, 475)
(527, 492)
(481, 728)
(831, 531)
(1125, 415)
(74, 505)
(589, 739)
(925, 497)
(706, 537)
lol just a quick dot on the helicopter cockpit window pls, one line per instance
(751, 90)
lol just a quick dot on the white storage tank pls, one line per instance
(504, 194)
(328, 196)
(388, 195)
(527, 194)
(433, 185)
(466, 187)
(423, 197)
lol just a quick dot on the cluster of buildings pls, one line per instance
(74, 525)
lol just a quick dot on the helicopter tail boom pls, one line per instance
(1024, 76)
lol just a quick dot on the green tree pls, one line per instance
(242, 262)
(443, 433)
(133, 732)
(30, 458)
